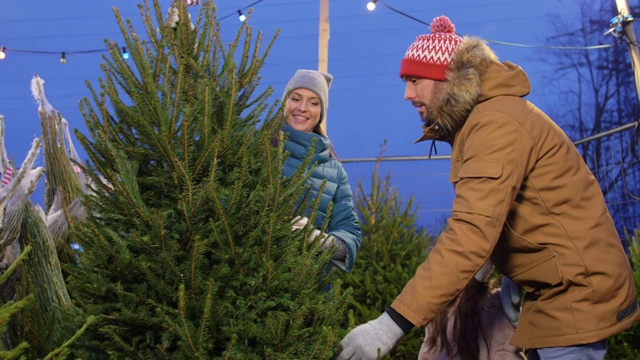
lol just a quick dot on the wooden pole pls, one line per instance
(630, 33)
(323, 46)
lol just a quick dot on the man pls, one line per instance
(524, 199)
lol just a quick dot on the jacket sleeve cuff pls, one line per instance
(400, 320)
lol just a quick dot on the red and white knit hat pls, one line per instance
(430, 55)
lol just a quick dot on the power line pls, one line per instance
(594, 47)
(402, 13)
(371, 6)
(4, 50)
(239, 11)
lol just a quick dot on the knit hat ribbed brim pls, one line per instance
(430, 55)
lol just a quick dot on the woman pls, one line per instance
(306, 99)
(472, 327)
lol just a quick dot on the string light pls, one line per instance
(63, 57)
(239, 11)
(241, 16)
(594, 47)
(371, 5)
(397, 11)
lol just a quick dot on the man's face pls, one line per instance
(421, 93)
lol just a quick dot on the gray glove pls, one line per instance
(364, 342)
(511, 296)
(326, 240)
(485, 272)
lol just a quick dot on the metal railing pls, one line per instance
(426, 179)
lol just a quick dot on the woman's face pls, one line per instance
(303, 109)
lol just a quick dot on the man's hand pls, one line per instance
(371, 340)
(511, 296)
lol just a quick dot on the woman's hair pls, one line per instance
(468, 328)
(318, 130)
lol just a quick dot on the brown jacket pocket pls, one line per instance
(475, 184)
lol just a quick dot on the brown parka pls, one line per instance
(525, 199)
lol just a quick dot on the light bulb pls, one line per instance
(63, 58)
(241, 16)
(371, 5)
(125, 53)
(2, 53)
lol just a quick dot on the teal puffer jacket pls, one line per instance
(343, 223)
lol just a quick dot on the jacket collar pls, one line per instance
(299, 142)
(475, 75)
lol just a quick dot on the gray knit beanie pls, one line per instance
(317, 81)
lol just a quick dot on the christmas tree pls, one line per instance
(33, 289)
(626, 345)
(9, 309)
(392, 249)
(188, 246)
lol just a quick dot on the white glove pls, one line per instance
(368, 341)
(511, 296)
(299, 222)
(325, 240)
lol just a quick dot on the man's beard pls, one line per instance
(427, 120)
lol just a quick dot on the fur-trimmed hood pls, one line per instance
(476, 75)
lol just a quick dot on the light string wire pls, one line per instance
(594, 47)
(402, 13)
(244, 8)
(91, 51)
